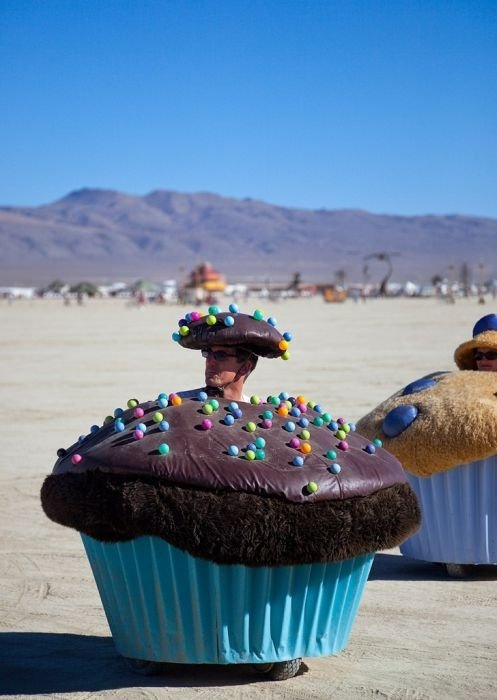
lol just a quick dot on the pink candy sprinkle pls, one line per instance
(194, 315)
(76, 459)
(342, 445)
(138, 412)
(206, 424)
(267, 423)
(302, 407)
(341, 421)
(295, 442)
(139, 434)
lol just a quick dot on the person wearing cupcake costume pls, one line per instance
(231, 344)
(221, 532)
(480, 353)
(443, 429)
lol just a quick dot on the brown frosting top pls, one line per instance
(197, 454)
(258, 336)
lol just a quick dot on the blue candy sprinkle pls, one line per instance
(94, 429)
(290, 426)
(287, 336)
(229, 321)
(418, 385)
(333, 425)
(295, 412)
(298, 461)
(304, 422)
(237, 412)
(163, 403)
(229, 419)
(232, 406)
(176, 337)
(335, 468)
(142, 427)
(233, 308)
(118, 412)
(202, 396)
(119, 426)
(370, 448)
(164, 426)
(398, 419)
(233, 450)
(272, 321)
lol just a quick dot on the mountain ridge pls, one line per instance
(105, 235)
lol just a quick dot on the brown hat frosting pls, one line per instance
(252, 333)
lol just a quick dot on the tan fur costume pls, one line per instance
(456, 421)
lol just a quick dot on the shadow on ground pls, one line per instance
(34, 663)
(392, 567)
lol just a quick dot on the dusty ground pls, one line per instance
(418, 634)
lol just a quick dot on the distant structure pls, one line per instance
(384, 257)
(204, 282)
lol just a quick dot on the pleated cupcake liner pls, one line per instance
(162, 604)
(459, 515)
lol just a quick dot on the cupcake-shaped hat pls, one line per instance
(249, 332)
(484, 336)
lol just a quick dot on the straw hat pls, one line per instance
(484, 336)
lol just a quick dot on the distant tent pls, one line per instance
(143, 285)
(84, 288)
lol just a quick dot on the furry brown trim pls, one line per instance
(230, 527)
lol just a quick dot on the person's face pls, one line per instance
(222, 366)
(486, 360)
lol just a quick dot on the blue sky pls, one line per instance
(385, 106)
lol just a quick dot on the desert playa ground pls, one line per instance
(418, 634)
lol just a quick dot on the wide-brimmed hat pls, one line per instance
(484, 336)
(248, 332)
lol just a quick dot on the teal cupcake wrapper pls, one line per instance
(163, 604)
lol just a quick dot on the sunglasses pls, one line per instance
(218, 354)
(491, 355)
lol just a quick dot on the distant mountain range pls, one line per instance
(104, 236)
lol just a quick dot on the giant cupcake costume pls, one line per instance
(443, 428)
(224, 532)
